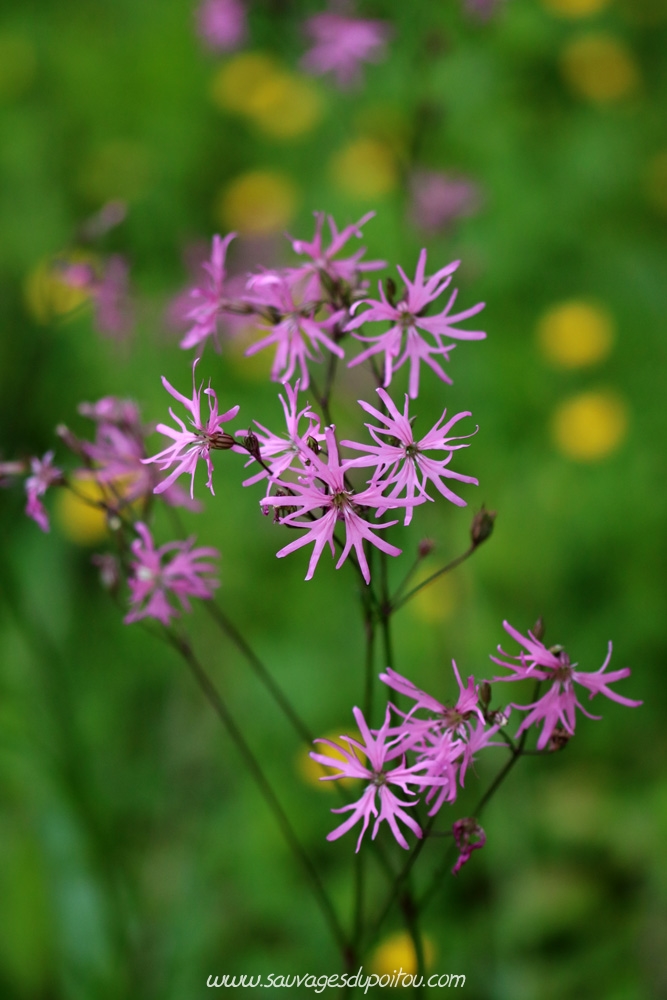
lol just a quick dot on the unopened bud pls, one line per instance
(221, 441)
(539, 629)
(313, 444)
(251, 444)
(69, 439)
(390, 290)
(558, 739)
(482, 526)
(109, 571)
(499, 717)
(425, 547)
(485, 694)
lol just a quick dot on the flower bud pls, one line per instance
(390, 290)
(539, 629)
(482, 526)
(558, 739)
(221, 441)
(109, 571)
(251, 444)
(313, 445)
(425, 547)
(485, 694)
(69, 439)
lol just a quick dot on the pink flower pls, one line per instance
(553, 665)
(438, 199)
(155, 575)
(322, 261)
(408, 317)
(404, 458)
(191, 445)
(378, 751)
(339, 505)
(296, 334)
(118, 454)
(44, 474)
(209, 299)
(469, 837)
(109, 290)
(280, 452)
(342, 44)
(221, 24)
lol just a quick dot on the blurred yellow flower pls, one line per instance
(600, 68)
(120, 169)
(17, 66)
(435, 603)
(575, 8)
(575, 334)
(280, 103)
(259, 202)
(47, 295)
(590, 426)
(656, 181)
(256, 367)
(235, 84)
(398, 952)
(77, 517)
(311, 772)
(366, 168)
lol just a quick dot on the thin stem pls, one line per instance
(396, 604)
(216, 701)
(261, 671)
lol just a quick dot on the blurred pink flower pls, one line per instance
(437, 199)
(44, 474)
(207, 302)
(322, 261)
(342, 44)
(469, 837)
(153, 578)
(109, 290)
(296, 334)
(408, 317)
(221, 24)
(191, 445)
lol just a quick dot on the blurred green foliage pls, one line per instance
(137, 856)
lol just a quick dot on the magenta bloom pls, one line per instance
(44, 474)
(397, 454)
(403, 341)
(191, 445)
(209, 299)
(296, 335)
(280, 452)
(118, 454)
(323, 261)
(339, 505)
(553, 666)
(221, 24)
(469, 837)
(109, 291)
(156, 574)
(438, 199)
(378, 751)
(342, 44)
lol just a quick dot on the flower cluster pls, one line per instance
(442, 741)
(309, 309)
(311, 479)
